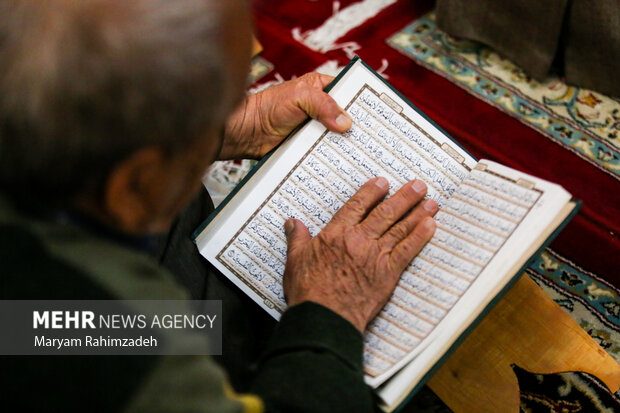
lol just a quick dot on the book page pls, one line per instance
(487, 230)
(316, 171)
(380, 143)
(472, 226)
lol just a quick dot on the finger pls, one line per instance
(411, 246)
(356, 208)
(401, 230)
(297, 235)
(319, 105)
(392, 209)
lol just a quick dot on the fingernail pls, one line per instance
(382, 183)
(429, 224)
(289, 226)
(430, 205)
(418, 186)
(343, 121)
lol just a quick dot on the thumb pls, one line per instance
(296, 235)
(319, 105)
(329, 113)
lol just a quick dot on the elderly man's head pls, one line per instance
(114, 105)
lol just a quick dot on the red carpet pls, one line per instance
(591, 239)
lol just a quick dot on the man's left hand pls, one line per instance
(264, 119)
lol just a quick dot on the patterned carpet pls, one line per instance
(557, 131)
(564, 393)
(259, 68)
(584, 122)
(590, 300)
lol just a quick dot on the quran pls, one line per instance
(492, 219)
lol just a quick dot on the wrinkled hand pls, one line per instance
(352, 266)
(264, 119)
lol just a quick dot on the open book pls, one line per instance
(491, 220)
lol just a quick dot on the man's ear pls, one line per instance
(132, 190)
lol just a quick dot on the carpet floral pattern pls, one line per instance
(584, 122)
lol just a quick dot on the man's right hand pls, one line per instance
(352, 266)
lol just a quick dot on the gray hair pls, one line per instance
(83, 84)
